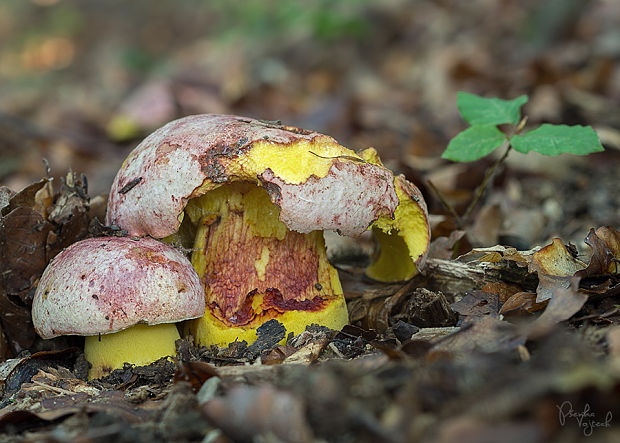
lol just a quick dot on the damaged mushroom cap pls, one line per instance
(316, 183)
(103, 285)
(251, 199)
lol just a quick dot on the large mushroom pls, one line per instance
(251, 199)
(123, 294)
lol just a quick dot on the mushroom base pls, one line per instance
(254, 269)
(209, 330)
(139, 345)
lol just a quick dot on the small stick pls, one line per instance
(53, 388)
(129, 186)
(487, 178)
(448, 206)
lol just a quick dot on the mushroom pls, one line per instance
(251, 199)
(123, 294)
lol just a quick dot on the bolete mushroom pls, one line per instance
(251, 199)
(123, 294)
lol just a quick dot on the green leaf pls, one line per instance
(474, 143)
(477, 110)
(558, 139)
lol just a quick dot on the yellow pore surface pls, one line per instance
(241, 245)
(139, 345)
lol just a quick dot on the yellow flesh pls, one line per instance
(404, 240)
(293, 163)
(138, 345)
(394, 262)
(211, 331)
(241, 245)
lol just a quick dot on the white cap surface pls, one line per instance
(106, 284)
(172, 165)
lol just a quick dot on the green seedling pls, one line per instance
(483, 136)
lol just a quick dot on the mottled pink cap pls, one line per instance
(103, 285)
(173, 164)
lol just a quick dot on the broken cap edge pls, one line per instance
(191, 156)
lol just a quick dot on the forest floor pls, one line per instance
(493, 341)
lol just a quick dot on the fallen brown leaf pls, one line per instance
(476, 304)
(195, 373)
(564, 303)
(555, 266)
(522, 301)
(484, 334)
(605, 244)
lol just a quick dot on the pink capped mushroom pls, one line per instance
(251, 199)
(123, 294)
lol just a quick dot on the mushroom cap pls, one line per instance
(316, 183)
(106, 284)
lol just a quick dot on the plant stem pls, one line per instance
(487, 178)
(491, 171)
(457, 219)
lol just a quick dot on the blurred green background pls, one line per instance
(81, 82)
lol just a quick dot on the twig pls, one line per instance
(487, 178)
(53, 388)
(457, 219)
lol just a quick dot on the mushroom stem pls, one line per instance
(255, 269)
(138, 345)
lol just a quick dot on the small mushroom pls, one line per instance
(123, 294)
(251, 199)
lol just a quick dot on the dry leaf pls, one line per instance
(522, 301)
(476, 304)
(564, 303)
(485, 334)
(605, 244)
(555, 266)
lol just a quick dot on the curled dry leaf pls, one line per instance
(25, 197)
(605, 244)
(35, 224)
(555, 265)
(374, 308)
(522, 301)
